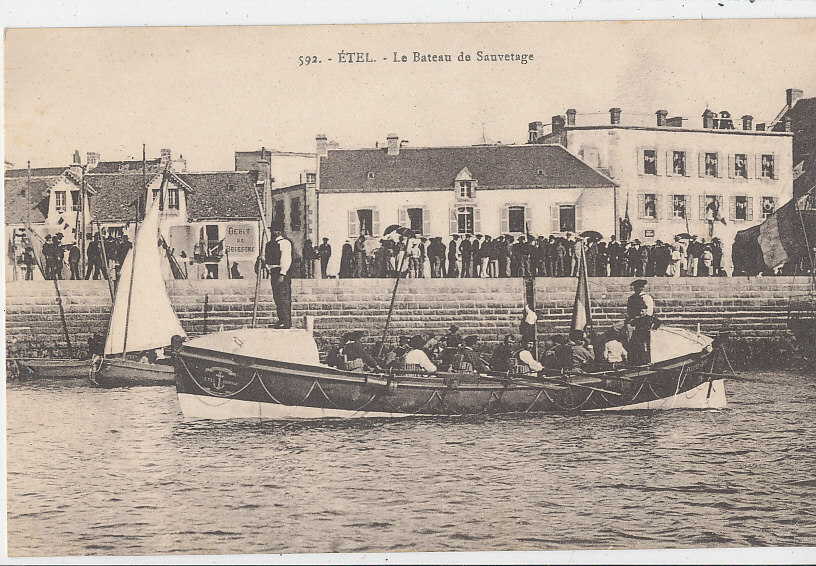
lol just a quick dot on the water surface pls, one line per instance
(106, 472)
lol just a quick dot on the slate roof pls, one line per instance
(129, 166)
(435, 168)
(212, 198)
(803, 123)
(35, 172)
(16, 205)
(115, 195)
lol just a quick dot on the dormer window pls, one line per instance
(464, 185)
(370, 175)
(465, 189)
(311, 177)
(540, 172)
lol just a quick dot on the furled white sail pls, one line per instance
(151, 321)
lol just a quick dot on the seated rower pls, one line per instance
(353, 356)
(397, 353)
(502, 360)
(466, 358)
(574, 356)
(416, 357)
(524, 361)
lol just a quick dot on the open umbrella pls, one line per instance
(591, 235)
(394, 231)
(682, 236)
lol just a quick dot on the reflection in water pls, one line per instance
(119, 471)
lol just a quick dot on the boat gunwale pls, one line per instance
(413, 381)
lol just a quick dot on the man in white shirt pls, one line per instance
(525, 357)
(417, 356)
(278, 256)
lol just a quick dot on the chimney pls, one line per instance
(77, 160)
(93, 159)
(661, 117)
(166, 157)
(708, 119)
(760, 127)
(264, 172)
(534, 131)
(571, 117)
(557, 124)
(321, 145)
(675, 122)
(792, 96)
(333, 145)
(393, 144)
(614, 116)
(788, 123)
(747, 122)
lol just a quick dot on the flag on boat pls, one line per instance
(581, 310)
(142, 317)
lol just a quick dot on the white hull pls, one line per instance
(203, 407)
(704, 396)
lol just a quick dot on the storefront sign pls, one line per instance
(242, 239)
(649, 234)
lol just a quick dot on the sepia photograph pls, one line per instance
(410, 288)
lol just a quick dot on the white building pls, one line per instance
(441, 191)
(678, 179)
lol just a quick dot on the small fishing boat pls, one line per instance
(142, 319)
(53, 368)
(277, 374)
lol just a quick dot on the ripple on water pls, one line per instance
(152, 483)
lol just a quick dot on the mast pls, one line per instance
(264, 236)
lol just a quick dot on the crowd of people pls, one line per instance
(628, 342)
(509, 256)
(63, 261)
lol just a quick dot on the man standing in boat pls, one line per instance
(639, 323)
(278, 255)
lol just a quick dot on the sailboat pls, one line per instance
(277, 374)
(142, 319)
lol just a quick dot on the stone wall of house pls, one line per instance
(753, 309)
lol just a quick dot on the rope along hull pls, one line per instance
(116, 372)
(215, 385)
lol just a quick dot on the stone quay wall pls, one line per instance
(754, 309)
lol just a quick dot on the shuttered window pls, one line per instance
(514, 219)
(465, 220)
(364, 221)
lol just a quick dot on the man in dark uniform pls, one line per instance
(453, 264)
(353, 356)
(324, 251)
(278, 256)
(639, 324)
(466, 249)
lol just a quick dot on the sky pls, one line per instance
(206, 92)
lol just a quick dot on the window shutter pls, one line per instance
(528, 219)
(670, 207)
(640, 161)
(758, 166)
(731, 165)
(375, 222)
(402, 217)
(659, 206)
(353, 224)
(426, 221)
(718, 169)
(701, 164)
(749, 213)
(732, 208)
(702, 207)
(749, 171)
(555, 225)
(775, 169)
(687, 203)
(454, 223)
(505, 219)
(669, 163)
(477, 221)
(641, 206)
(579, 218)
(721, 206)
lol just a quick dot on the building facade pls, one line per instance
(209, 220)
(710, 181)
(442, 191)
